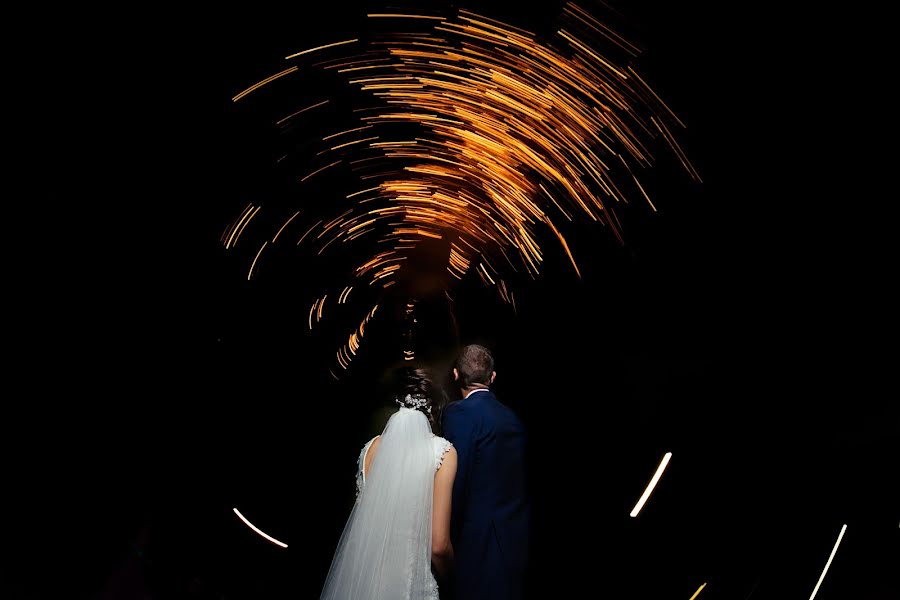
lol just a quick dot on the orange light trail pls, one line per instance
(256, 258)
(697, 593)
(317, 171)
(244, 224)
(258, 85)
(301, 53)
(480, 136)
(300, 112)
(285, 225)
(399, 16)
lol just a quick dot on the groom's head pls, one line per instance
(474, 367)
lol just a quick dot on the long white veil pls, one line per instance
(385, 550)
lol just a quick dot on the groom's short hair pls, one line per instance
(475, 365)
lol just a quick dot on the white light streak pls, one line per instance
(828, 564)
(659, 471)
(257, 530)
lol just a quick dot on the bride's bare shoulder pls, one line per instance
(370, 453)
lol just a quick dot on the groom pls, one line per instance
(489, 518)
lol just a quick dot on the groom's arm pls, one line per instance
(459, 430)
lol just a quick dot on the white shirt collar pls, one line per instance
(476, 391)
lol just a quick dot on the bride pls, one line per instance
(399, 528)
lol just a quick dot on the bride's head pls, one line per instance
(415, 388)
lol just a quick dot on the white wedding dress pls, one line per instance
(385, 549)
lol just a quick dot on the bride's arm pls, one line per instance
(441, 548)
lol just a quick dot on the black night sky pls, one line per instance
(152, 387)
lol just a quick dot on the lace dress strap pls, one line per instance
(441, 447)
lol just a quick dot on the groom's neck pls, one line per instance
(466, 391)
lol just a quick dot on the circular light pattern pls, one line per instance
(477, 135)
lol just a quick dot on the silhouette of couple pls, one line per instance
(431, 509)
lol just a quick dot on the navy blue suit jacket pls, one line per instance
(490, 513)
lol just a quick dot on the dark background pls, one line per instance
(746, 327)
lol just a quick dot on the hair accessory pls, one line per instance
(415, 402)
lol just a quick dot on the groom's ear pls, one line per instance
(455, 374)
(493, 376)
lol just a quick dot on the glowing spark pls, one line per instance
(377, 187)
(253, 265)
(348, 351)
(580, 14)
(678, 152)
(308, 231)
(334, 135)
(699, 589)
(285, 225)
(246, 222)
(828, 564)
(239, 227)
(317, 171)
(302, 110)
(296, 54)
(257, 530)
(486, 274)
(311, 311)
(350, 143)
(256, 86)
(398, 16)
(565, 35)
(659, 471)
(478, 134)
(658, 99)
(321, 305)
(236, 225)
(565, 246)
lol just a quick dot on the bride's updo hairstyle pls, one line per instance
(415, 388)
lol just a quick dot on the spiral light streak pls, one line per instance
(348, 350)
(483, 136)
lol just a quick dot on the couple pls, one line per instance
(455, 507)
